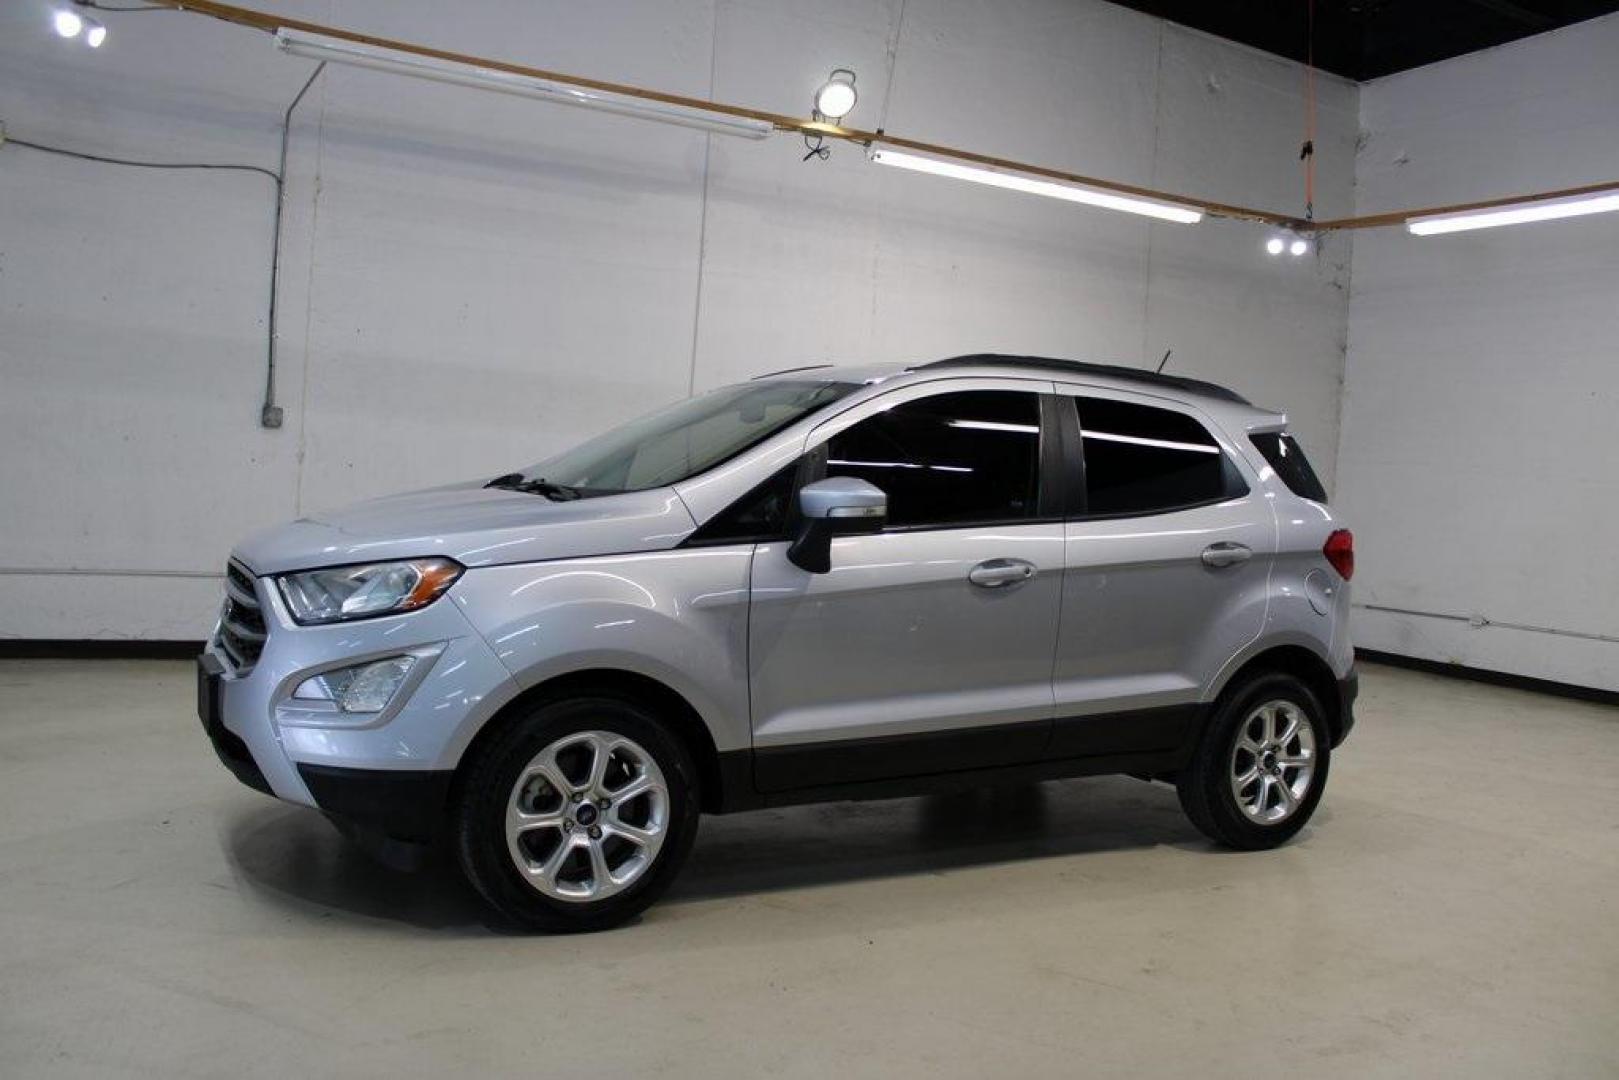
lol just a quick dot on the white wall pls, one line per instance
(1479, 441)
(472, 281)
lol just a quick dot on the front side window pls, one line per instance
(1143, 460)
(950, 459)
(685, 439)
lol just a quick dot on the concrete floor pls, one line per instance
(1453, 909)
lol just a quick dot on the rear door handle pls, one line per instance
(1226, 553)
(998, 573)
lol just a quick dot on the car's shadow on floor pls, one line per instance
(288, 854)
(805, 846)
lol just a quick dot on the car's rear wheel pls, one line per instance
(577, 815)
(1260, 768)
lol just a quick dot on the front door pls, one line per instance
(928, 647)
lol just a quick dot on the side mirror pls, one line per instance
(836, 506)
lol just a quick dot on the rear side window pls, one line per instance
(950, 459)
(1286, 456)
(1144, 460)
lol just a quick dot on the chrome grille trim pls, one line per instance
(242, 628)
(239, 594)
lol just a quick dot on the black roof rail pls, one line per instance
(1079, 367)
(789, 371)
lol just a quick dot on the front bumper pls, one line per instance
(395, 814)
(233, 752)
(279, 746)
(1348, 691)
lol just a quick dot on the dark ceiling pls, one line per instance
(1363, 39)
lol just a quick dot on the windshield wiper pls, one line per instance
(554, 492)
(540, 486)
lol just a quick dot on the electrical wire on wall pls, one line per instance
(270, 414)
(1307, 151)
(12, 140)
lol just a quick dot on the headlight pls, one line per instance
(360, 592)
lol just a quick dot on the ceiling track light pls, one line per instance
(70, 24)
(378, 58)
(1297, 246)
(1032, 185)
(67, 23)
(836, 97)
(1513, 214)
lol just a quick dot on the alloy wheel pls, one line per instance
(1273, 762)
(587, 816)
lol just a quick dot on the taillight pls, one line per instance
(1340, 552)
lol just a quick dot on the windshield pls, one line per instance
(682, 440)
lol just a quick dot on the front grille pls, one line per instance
(241, 624)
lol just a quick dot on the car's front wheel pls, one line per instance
(577, 815)
(1261, 765)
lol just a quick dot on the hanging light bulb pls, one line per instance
(67, 23)
(837, 96)
(1274, 245)
(95, 34)
(1298, 247)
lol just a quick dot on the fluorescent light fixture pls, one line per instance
(1013, 181)
(1518, 214)
(398, 62)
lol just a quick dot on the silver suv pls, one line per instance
(827, 583)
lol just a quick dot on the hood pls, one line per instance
(474, 525)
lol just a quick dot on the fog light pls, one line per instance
(364, 688)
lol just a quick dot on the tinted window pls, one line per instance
(1139, 459)
(1286, 456)
(948, 459)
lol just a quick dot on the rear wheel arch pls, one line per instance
(667, 704)
(1303, 664)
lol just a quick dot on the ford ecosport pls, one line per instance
(826, 583)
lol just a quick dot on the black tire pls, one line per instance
(489, 782)
(1205, 786)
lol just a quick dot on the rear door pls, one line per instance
(1166, 557)
(928, 646)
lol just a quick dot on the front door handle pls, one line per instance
(1226, 554)
(998, 573)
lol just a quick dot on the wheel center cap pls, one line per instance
(1268, 762)
(586, 814)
